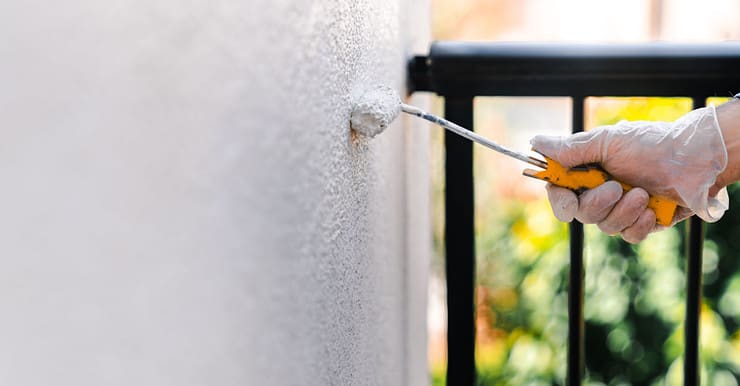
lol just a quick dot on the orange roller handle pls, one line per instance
(585, 177)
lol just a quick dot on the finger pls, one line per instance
(577, 149)
(564, 202)
(641, 228)
(595, 204)
(627, 210)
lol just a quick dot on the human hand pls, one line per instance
(679, 160)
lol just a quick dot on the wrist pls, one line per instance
(728, 119)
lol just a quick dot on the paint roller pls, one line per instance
(378, 106)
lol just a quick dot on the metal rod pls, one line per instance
(469, 134)
(460, 247)
(574, 375)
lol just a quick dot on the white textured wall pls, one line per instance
(181, 202)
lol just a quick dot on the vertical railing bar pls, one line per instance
(576, 278)
(460, 246)
(695, 239)
(695, 244)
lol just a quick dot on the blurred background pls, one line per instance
(634, 294)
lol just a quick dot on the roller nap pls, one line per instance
(374, 110)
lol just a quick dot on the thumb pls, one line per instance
(577, 149)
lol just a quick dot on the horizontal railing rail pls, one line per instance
(460, 71)
(522, 69)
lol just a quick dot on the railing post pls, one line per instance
(695, 239)
(694, 249)
(460, 246)
(574, 373)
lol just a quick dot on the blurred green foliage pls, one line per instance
(634, 294)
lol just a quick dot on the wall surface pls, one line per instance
(183, 203)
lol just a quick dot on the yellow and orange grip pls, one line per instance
(590, 176)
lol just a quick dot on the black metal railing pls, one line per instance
(461, 71)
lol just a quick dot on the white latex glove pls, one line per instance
(679, 160)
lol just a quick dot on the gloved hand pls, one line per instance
(679, 160)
